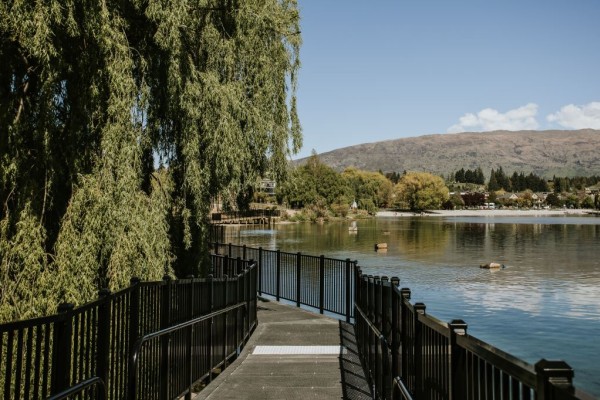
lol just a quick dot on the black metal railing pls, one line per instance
(154, 340)
(408, 354)
(85, 351)
(321, 283)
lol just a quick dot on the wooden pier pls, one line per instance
(293, 354)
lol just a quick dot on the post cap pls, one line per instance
(554, 369)
(65, 307)
(458, 326)
(134, 280)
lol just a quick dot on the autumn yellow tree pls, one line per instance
(420, 191)
(372, 190)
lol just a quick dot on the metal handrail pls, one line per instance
(384, 345)
(402, 388)
(80, 387)
(139, 343)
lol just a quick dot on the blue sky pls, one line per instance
(384, 69)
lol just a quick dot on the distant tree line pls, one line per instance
(468, 176)
(321, 191)
(518, 182)
(566, 184)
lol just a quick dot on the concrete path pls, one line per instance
(293, 354)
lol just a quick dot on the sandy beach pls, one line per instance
(486, 213)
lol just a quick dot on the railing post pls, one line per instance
(321, 284)
(238, 278)
(226, 266)
(395, 346)
(298, 278)
(165, 321)
(386, 376)
(348, 289)
(369, 297)
(216, 248)
(418, 351)
(553, 374)
(244, 252)
(229, 248)
(357, 276)
(134, 312)
(61, 355)
(211, 301)
(226, 303)
(278, 275)
(104, 317)
(404, 299)
(385, 307)
(247, 297)
(259, 266)
(457, 378)
(190, 342)
(376, 297)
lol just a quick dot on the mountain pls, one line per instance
(545, 153)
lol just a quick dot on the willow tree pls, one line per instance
(419, 191)
(93, 95)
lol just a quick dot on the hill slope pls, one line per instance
(546, 153)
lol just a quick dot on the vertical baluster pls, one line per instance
(39, 336)
(278, 275)
(28, 362)
(165, 321)
(395, 325)
(348, 289)
(48, 354)
(61, 354)
(418, 349)
(298, 278)
(8, 363)
(19, 366)
(104, 324)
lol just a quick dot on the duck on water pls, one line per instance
(492, 265)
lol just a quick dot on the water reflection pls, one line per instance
(546, 303)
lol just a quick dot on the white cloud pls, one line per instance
(577, 117)
(488, 119)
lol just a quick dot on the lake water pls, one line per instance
(544, 304)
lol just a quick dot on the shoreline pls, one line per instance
(487, 213)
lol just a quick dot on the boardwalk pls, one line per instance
(293, 354)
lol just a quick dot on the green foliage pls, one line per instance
(26, 283)
(455, 201)
(372, 190)
(420, 191)
(468, 176)
(566, 184)
(518, 182)
(91, 93)
(314, 183)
